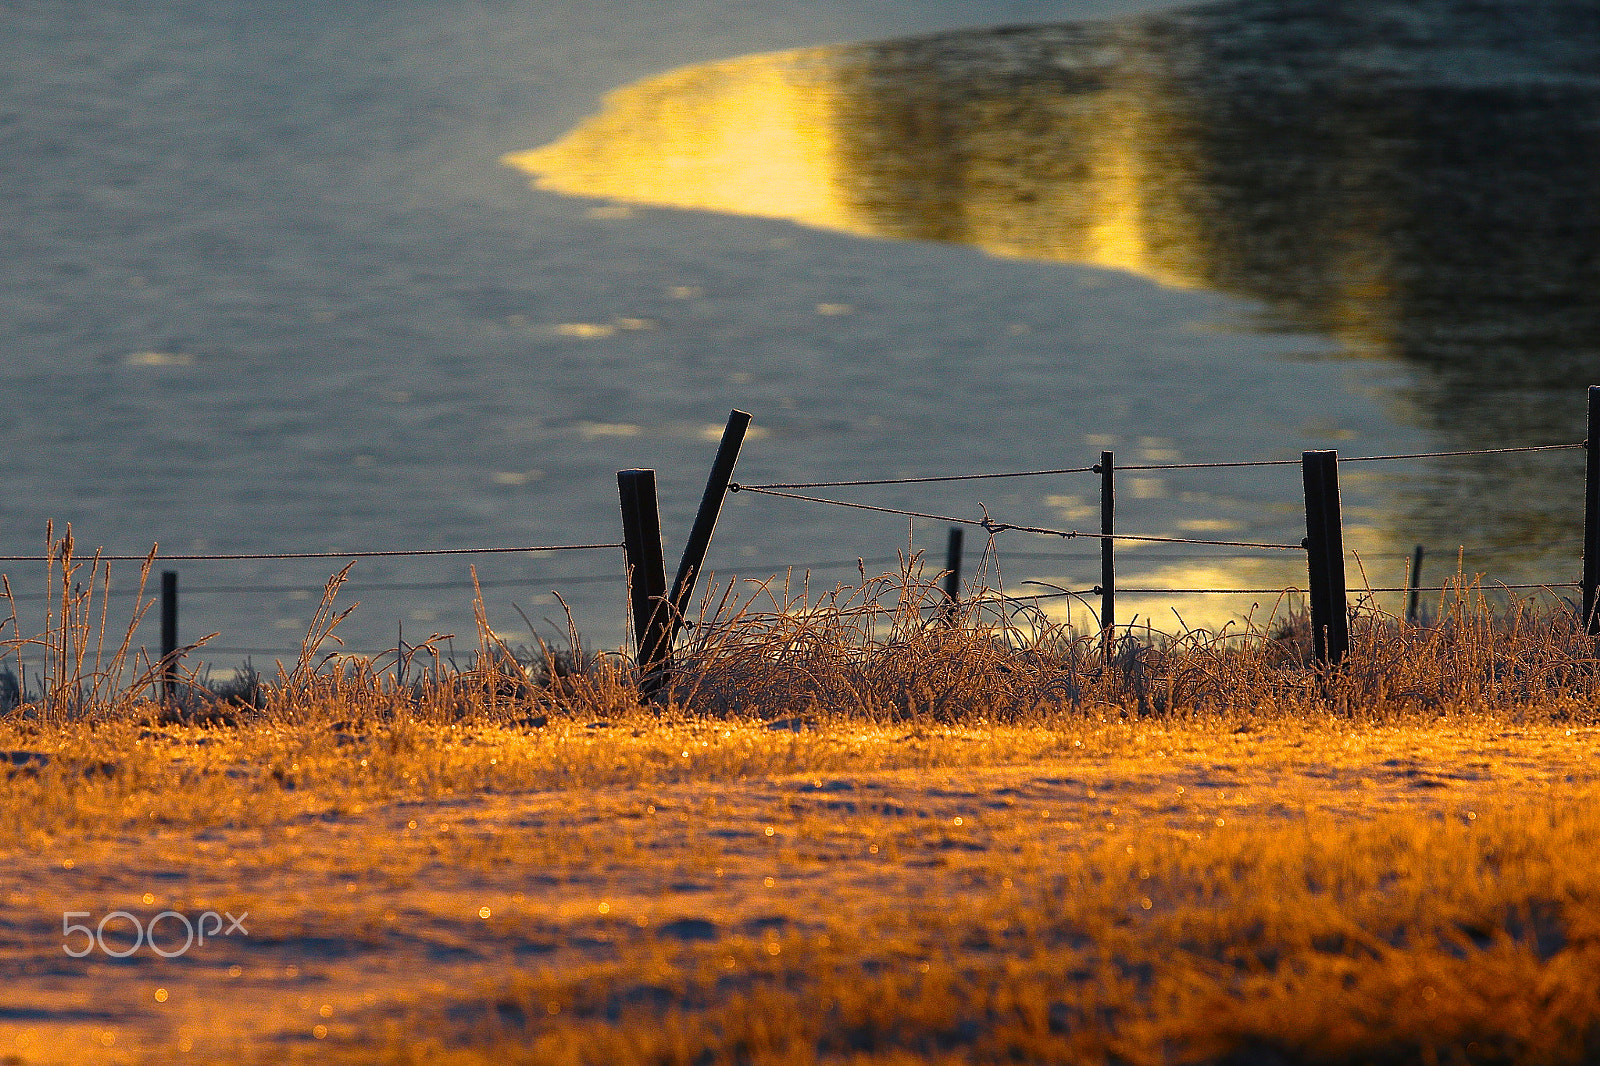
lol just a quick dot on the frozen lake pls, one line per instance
(269, 286)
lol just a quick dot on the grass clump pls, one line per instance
(895, 647)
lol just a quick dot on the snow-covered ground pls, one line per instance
(355, 919)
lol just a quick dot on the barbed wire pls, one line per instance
(987, 596)
(1097, 590)
(1356, 458)
(992, 526)
(917, 480)
(1466, 451)
(356, 585)
(1000, 596)
(287, 653)
(416, 651)
(248, 556)
(1148, 466)
(1287, 589)
(1470, 585)
(1432, 554)
(353, 585)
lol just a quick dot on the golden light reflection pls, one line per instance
(806, 135)
(1423, 209)
(1189, 609)
(752, 136)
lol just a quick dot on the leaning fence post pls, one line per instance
(169, 634)
(1324, 543)
(1413, 584)
(952, 574)
(1108, 555)
(705, 521)
(1591, 514)
(647, 578)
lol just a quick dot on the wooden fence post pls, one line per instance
(952, 574)
(1330, 628)
(1413, 584)
(1591, 515)
(705, 522)
(169, 634)
(647, 578)
(1108, 554)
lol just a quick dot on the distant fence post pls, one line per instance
(705, 522)
(169, 634)
(1330, 628)
(1413, 584)
(1108, 554)
(647, 578)
(952, 573)
(1591, 515)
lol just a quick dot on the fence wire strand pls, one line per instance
(1294, 589)
(1355, 458)
(918, 480)
(992, 526)
(1151, 466)
(247, 556)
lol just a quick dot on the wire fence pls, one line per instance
(1207, 549)
(150, 593)
(993, 527)
(1326, 586)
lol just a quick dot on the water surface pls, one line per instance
(269, 287)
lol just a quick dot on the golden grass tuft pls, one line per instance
(879, 649)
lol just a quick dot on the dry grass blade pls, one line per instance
(298, 680)
(495, 671)
(81, 673)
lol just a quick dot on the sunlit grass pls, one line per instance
(851, 832)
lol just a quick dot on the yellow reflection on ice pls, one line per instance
(1130, 225)
(751, 136)
(585, 330)
(1188, 607)
(1215, 158)
(160, 359)
(595, 430)
(806, 135)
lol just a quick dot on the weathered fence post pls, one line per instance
(1413, 584)
(952, 574)
(169, 634)
(1330, 627)
(647, 578)
(1591, 515)
(705, 521)
(1108, 555)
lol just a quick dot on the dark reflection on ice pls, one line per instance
(1419, 180)
(1416, 179)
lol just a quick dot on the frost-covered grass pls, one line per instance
(847, 835)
